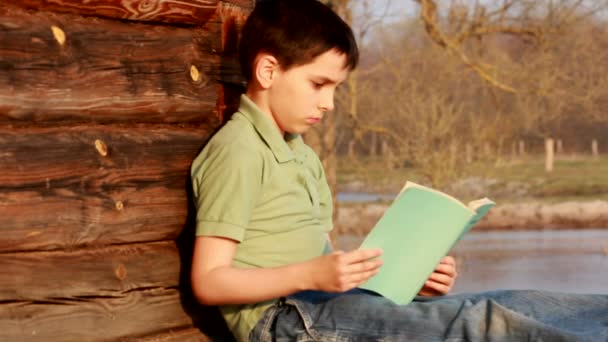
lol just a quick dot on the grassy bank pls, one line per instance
(574, 195)
(574, 178)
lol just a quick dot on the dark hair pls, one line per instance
(295, 32)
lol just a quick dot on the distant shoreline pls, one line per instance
(360, 217)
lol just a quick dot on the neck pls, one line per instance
(260, 98)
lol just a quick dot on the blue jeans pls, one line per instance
(359, 315)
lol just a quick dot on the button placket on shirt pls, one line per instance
(311, 186)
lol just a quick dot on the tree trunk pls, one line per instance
(487, 151)
(469, 153)
(560, 147)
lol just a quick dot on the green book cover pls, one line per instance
(415, 232)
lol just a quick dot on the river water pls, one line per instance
(364, 197)
(562, 260)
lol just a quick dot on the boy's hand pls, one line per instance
(442, 280)
(342, 271)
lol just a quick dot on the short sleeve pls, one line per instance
(226, 182)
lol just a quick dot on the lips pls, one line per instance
(313, 120)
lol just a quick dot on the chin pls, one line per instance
(298, 130)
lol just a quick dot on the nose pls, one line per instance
(327, 101)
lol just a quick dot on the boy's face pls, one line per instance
(299, 97)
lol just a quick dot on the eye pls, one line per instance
(317, 85)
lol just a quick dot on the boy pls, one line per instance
(264, 211)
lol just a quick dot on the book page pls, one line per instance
(481, 208)
(476, 204)
(409, 185)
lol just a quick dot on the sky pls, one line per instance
(384, 12)
(397, 8)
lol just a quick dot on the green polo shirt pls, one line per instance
(266, 191)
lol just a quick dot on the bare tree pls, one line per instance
(472, 76)
(546, 88)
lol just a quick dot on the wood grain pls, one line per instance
(135, 314)
(183, 12)
(109, 71)
(58, 192)
(101, 112)
(103, 272)
(183, 335)
(194, 12)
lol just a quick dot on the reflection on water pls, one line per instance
(564, 260)
(363, 197)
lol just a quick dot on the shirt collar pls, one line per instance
(283, 148)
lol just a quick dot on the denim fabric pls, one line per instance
(359, 315)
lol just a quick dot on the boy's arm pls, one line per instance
(216, 282)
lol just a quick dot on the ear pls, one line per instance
(265, 69)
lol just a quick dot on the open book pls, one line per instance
(415, 232)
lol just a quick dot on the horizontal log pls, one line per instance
(190, 12)
(136, 314)
(69, 187)
(184, 335)
(108, 272)
(245, 4)
(63, 69)
(194, 12)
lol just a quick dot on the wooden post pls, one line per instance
(486, 150)
(387, 155)
(560, 147)
(385, 148)
(549, 154)
(595, 149)
(453, 151)
(500, 147)
(522, 148)
(351, 149)
(513, 150)
(372, 144)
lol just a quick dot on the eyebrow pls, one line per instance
(325, 79)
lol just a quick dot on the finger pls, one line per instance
(359, 255)
(441, 278)
(364, 266)
(448, 260)
(360, 278)
(449, 270)
(426, 292)
(355, 280)
(441, 288)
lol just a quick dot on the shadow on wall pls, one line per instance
(208, 318)
(205, 318)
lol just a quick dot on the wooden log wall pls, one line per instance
(103, 106)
